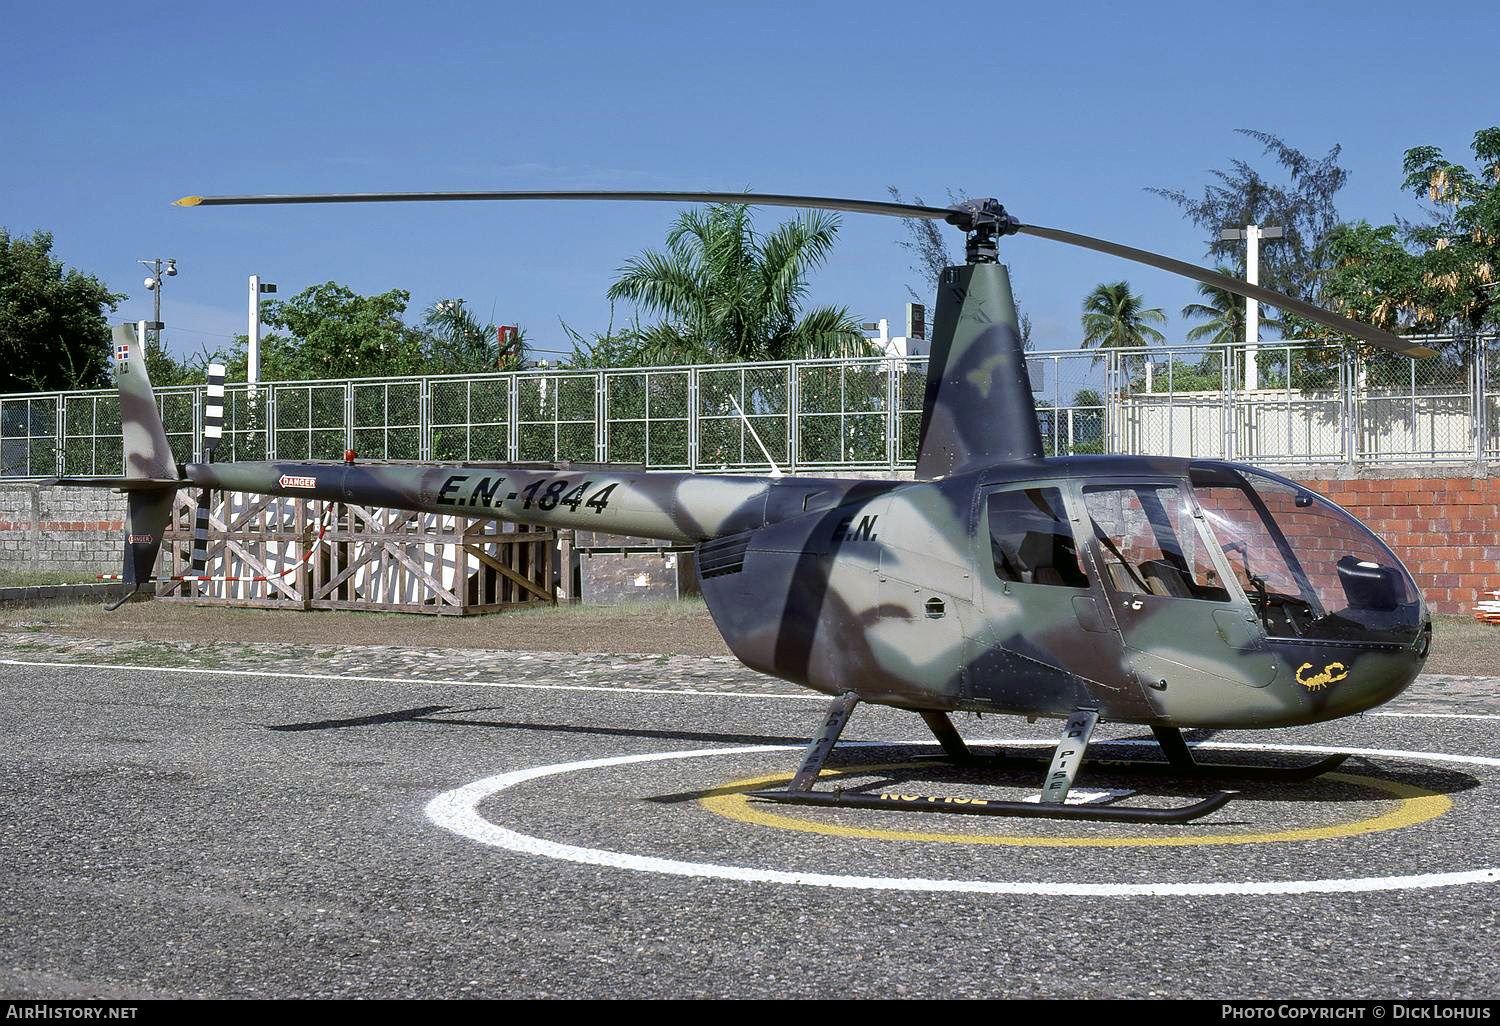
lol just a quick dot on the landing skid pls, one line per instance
(891, 801)
(1155, 767)
(1057, 782)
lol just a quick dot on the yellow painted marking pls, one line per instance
(1319, 681)
(1415, 805)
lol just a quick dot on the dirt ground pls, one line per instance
(1460, 645)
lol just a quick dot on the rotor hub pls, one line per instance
(984, 221)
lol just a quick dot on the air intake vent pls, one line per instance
(723, 555)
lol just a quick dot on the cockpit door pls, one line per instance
(1179, 611)
(1042, 640)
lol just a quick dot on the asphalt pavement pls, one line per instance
(233, 832)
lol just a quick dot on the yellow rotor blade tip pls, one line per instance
(188, 201)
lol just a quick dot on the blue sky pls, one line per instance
(1063, 111)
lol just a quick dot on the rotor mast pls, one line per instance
(978, 409)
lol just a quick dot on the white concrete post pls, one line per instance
(253, 374)
(1252, 308)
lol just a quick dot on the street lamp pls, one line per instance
(159, 269)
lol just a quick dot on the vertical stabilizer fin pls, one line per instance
(978, 408)
(145, 523)
(148, 454)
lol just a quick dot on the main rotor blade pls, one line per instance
(964, 215)
(1372, 335)
(748, 198)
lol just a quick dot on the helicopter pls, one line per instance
(1171, 593)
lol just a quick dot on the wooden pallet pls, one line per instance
(317, 555)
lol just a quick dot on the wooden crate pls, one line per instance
(249, 536)
(361, 557)
(408, 562)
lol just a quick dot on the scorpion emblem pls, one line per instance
(1318, 681)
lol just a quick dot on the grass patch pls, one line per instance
(38, 579)
(1461, 644)
(663, 609)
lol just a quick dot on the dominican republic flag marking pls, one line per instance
(122, 353)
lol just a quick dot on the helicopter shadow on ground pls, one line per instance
(876, 767)
(899, 765)
(439, 714)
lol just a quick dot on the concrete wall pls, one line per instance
(61, 530)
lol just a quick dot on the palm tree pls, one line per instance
(725, 292)
(1114, 318)
(1224, 313)
(459, 343)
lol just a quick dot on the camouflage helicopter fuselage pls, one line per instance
(1151, 590)
(889, 588)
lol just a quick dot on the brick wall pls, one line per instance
(61, 530)
(1445, 529)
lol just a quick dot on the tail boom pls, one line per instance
(681, 507)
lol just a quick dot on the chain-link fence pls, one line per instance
(1275, 403)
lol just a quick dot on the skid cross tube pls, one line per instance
(942, 728)
(821, 745)
(1062, 769)
(1069, 756)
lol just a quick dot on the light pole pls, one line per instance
(1252, 234)
(252, 355)
(159, 268)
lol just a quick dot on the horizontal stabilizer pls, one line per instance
(124, 484)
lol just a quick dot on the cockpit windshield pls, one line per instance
(1309, 569)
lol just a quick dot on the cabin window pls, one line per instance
(1149, 545)
(1031, 540)
(1309, 569)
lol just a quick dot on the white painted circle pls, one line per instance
(457, 811)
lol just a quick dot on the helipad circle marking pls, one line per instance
(1416, 805)
(457, 811)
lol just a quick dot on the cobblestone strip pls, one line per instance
(662, 672)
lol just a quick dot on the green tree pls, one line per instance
(54, 331)
(459, 343)
(166, 369)
(1116, 318)
(1303, 204)
(1223, 313)
(1439, 276)
(728, 293)
(610, 348)
(333, 332)
(1086, 421)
